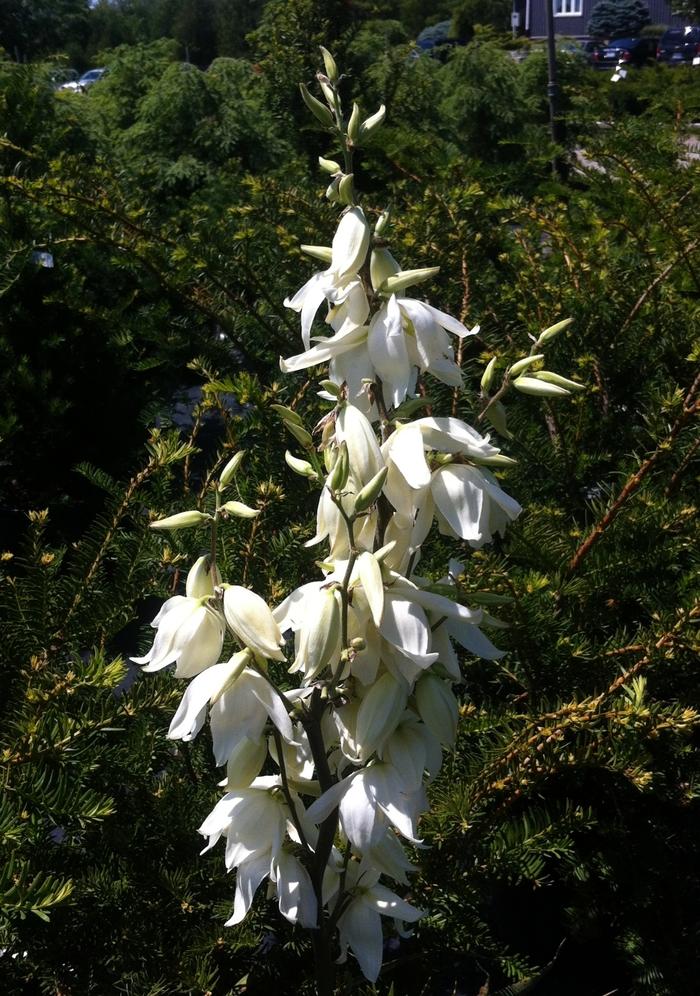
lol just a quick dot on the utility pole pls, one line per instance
(555, 123)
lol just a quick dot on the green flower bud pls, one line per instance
(287, 414)
(354, 125)
(319, 110)
(554, 330)
(552, 378)
(523, 364)
(329, 64)
(407, 278)
(346, 194)
(324, 253)
(300, 434)
(382, 265)
(238, 509)
(371, 491)
(341, 469)
(228, 473)
(539, 388)
(372, 123)
(487, 376)
(331, 387)
(182, 520)
(329, 166)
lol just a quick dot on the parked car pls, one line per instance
(61, 75)
(679, 45)
(85, 82)
(628, 51)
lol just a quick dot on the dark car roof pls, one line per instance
(681, 34)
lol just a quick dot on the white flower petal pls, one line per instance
(248, 877)
(360, 928)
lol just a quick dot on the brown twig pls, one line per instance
(690, 407)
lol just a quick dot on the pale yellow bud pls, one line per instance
(324, 253)
(370, 124)
(329, 166)
(407, 278)
(523, 364)
(182, 520)
(301, 467)
(552, 378)
(539, 388)
(239, 510)
(229, 471)
(553, 330)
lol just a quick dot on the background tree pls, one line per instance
(615, 18)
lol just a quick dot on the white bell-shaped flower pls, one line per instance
(360, 926)
(190, 633)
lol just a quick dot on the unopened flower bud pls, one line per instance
(329, 166)
(552, 378)
(324, 253)
(345, 189)
(407, 278)
(358, 644)
(341, 470)
(327, 90)
(539, 388)
(354, 125)
(523, 364)
(488, 374)
(371, 491)
(382, 222)
(300, 434)
(301, 467)
(239, 510)
(382, 265)
(370, 124)
(553, 330)
(287, 414)
(331, 387)
(182, 520)
(228, 473)
(319, 110)
(329, 64)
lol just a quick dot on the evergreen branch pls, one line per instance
(690, 407)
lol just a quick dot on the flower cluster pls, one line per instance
(326, 773)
